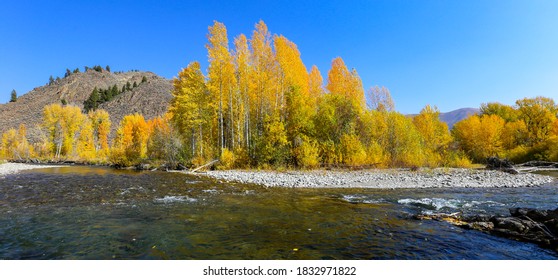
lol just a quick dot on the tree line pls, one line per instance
(258, 106)
(100, 96)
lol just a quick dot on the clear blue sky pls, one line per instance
(451, 54)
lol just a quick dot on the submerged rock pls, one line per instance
(524, 224)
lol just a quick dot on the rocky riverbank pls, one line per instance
(524, 224)
(380, 178)
(10, 168)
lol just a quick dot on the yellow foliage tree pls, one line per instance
(100, 124)
(86, 142)
(222, 82)
(480, 137)
(192, 111)
(341, 81)
(306, 152)
(131, 141)
(164, 143)
(62, 124)
(434, 133)
(539, 114)
(14, 144)
(315, 83)
(352, 151)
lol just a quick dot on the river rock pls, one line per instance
(524, 224)
(482, 226)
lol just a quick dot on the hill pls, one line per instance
(456, 115)
(150, 98)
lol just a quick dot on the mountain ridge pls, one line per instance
(150, 98)
(452, 117)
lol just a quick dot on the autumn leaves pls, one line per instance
(259, 106)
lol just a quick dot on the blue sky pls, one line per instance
(451, 54)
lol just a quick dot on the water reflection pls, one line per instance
(100, 213)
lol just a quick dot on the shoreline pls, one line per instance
(12, 168)
(384, 178)
(371, 178)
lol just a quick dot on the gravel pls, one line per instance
(10, 168)
(384, 178)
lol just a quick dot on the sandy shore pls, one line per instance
(10, 168)
(388, 179)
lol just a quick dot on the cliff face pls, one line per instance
(150, 98)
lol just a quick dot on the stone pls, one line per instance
(481, 226)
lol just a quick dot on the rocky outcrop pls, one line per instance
(523, 224)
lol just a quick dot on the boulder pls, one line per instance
(524, 224)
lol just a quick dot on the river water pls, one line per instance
(100, 213)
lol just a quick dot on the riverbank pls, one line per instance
(11, 168)
(384, 178)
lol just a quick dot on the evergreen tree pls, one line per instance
(50, 80)
(108, 94)
(144, 79)
(128, 86)
(76, 70)
(68, 73)
(123, 89)
(135, 84)
(92, 102)
(113, 92)
(107, 68)
(14, 96)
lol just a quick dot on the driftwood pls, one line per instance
(205, 165)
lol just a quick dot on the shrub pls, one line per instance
(307, 153)
(227, 159)
(352, 151)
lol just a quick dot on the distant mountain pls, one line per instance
(150, 98)
(456, 115)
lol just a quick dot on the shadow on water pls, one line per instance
(100, 213)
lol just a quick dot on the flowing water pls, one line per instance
(100, 213)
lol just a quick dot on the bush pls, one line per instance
(306, 154)
(227, 159)
(457, 159)
(242, 158)
(376, 155)
(352, 151)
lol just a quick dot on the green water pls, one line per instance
(101, 213)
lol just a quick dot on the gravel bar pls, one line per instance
(11, 168)
(384, 178)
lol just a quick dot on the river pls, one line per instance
(82, 212)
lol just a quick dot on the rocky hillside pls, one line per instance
(150, 98)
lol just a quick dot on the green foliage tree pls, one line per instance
(507, 113)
